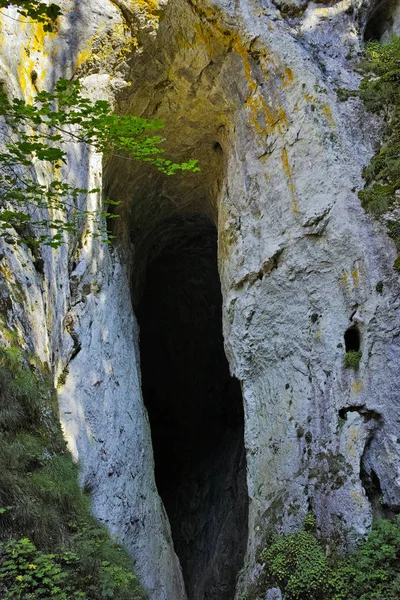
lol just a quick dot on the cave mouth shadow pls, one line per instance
(195, 407)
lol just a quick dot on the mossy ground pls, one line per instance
(45, 518)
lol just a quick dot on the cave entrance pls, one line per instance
(195, 407)
(352, 339)
(384, 22)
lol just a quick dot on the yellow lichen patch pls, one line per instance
(25, 68)
(356, 276)
(31, 59)
(150, 7)
(328, 113)
(357, 386)
(105, 48)
(264, 117)
(358, 499)
(83, 56)
(287, 77)
(2, 38)
(288, 172)
(6, 271)
(344, 279)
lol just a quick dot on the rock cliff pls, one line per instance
(250, 89)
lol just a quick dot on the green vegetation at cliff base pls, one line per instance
(50, 544)
(300, 566)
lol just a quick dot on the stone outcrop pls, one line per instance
(250, 89)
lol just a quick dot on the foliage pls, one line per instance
(352, 359)
(67, 574)
(373, 571)
(298, 564)
(380, 90)
(45, 518)
(38, 11)
(37, 137)
(27, 573)
(39, 478)
(310, 522)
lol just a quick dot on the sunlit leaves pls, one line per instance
(36, 134)
(35, 10)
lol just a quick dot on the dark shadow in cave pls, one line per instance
(352, 339)
(380, 21)
(195, 407)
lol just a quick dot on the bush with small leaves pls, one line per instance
(296, 563)
(352, 359)
(373, 571)
(28, 574)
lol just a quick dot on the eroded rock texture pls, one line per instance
(250, 89)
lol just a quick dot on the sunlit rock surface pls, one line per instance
(250, 89)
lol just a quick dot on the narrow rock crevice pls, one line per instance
(195, 407)
(372, 485)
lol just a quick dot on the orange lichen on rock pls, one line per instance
(328, 113)
(288, 77)
(288, 172)
(263, 116)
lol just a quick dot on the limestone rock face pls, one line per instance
(250, 89)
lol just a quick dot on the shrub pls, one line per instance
(26, 573)
(373, 571)
(352, 359)
(297, 563)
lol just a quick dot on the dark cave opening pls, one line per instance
(195, 407)
(352, 339)
(380, 21)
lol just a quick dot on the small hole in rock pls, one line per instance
(217, 147)
(352, 339)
